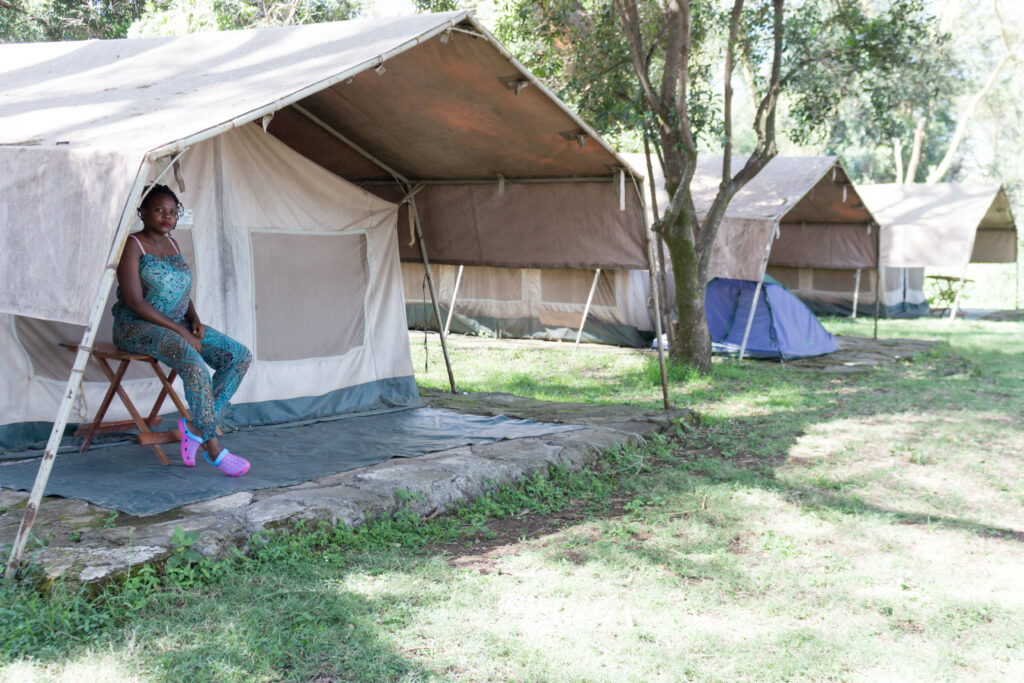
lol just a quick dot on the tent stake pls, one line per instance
(586, 310)
(433, 294)
(654, 293)
(77, 374)
(455, 296)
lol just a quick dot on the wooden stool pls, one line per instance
(101, 353)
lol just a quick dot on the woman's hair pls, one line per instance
(153, 191)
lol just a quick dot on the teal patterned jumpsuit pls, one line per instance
(167, 286)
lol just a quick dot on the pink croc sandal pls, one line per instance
(190, 443)
(229, 463)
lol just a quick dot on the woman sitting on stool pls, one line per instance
(154, 315)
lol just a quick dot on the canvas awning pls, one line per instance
(433, 97)
(943, 224)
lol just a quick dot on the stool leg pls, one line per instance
(115, 381)
(139, 422)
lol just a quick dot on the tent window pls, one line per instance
(491, 284)
(565, 286)
(41, 338)
(310, 292)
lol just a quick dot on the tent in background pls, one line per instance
(783, 327)
(942, 224)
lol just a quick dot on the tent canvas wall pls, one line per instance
(535, 303)
(422, 100)
(783, 327)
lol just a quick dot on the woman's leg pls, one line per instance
(230, 361)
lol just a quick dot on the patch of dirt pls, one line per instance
(507, 535)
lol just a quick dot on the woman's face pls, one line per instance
(160, 215)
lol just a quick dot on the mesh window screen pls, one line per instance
(310, 291)
(41, 338)
(565, 286)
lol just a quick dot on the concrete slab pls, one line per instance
(81, 542)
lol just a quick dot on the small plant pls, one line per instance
(110, 521)
(184, 553)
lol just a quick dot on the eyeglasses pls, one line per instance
(164, 211)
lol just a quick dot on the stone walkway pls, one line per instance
(82, 542)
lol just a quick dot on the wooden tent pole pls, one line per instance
(654, 293)
(433, 293)
(74, 384)
(586, 310)
(455, 296)
(659, 253)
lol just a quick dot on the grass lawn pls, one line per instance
(858, 527)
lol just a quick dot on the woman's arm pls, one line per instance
(130, 284)
(198, 329)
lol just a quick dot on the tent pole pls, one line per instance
(77, 374)
(586, 310)
(455, 295)
(654, 293)
(757, 292)
(956, 298)
(659, 253)
(433, 293)
(878, 297)
(856, 294)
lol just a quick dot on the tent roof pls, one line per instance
(938, 224)
(442, 108)
(788, 189)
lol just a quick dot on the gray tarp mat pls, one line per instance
(131, 480)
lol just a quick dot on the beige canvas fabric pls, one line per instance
(79, 120)
(943, 224)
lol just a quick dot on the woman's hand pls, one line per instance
(198, 329)
(192, 340)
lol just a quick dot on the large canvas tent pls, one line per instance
(942, 224)
(270, 133)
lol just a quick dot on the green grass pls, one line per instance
(817, 527)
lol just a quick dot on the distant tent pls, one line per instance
(783, 327)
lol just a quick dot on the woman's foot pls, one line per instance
(190, 443)
(229, 463)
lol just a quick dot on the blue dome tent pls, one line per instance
(783, 327)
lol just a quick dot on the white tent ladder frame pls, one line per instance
(455, 296)
(408, 189)
(78, 370)
(856, 294)
(654, 293)
(586, 310)
(757, 291)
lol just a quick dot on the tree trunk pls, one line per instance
(692, 340)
